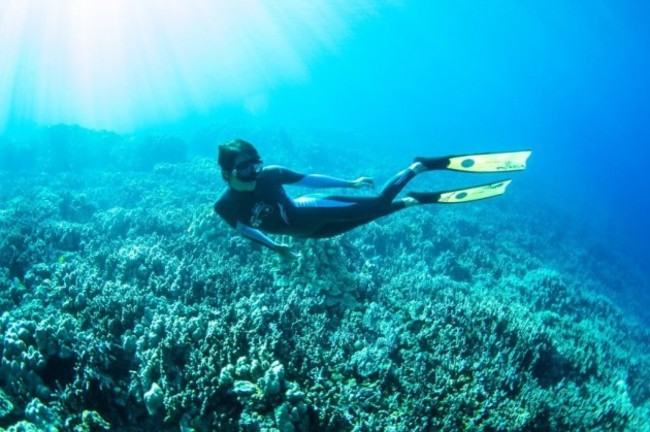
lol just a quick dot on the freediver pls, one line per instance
(256, 202)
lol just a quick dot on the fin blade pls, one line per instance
(490, 162)
(474, 193)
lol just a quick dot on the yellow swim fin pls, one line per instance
(480, 162)
(474, 193)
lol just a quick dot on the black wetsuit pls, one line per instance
(268, 208)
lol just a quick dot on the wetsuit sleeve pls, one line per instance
(286, 176)
(323, 181)
(227, 216)
(282, 175)
(255, 235)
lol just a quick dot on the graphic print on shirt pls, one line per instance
(283, 214)
(259, 213)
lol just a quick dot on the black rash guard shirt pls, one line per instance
(267, 207)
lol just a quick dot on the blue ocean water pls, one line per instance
(566, 80)
(394, 79)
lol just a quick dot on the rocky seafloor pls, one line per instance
(126, 304)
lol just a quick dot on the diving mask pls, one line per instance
(249, 170)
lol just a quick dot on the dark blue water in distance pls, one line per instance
(569, 81)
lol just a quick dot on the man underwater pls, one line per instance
(256, 203)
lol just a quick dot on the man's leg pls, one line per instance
(395, 185)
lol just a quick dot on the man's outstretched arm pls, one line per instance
(261, 238)
(289, 177)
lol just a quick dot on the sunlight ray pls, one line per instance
(119, 64)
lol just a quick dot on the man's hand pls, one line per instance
(363, 183)
(285, 252)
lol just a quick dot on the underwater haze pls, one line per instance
(568, 81)
(127, 304)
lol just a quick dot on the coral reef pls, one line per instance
(127, 305)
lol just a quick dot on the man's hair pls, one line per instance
(229, 151)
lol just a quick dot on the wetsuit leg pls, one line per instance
(395, 185)
(326, 216)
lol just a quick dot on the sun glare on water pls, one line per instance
(117, 64)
